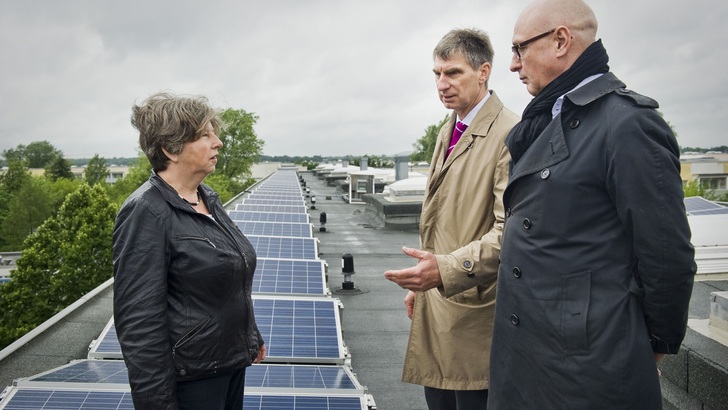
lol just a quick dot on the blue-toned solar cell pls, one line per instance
(274, 402)
(325, 377)
(294, 330)
(289, 276)
(698, 205)
(275, 229)
(268, 217)
(87, 371)
(55, 399)
(302, 329)
(275, 196)
(276, 202)
(261, 376)
(272, 208)
(284, 248)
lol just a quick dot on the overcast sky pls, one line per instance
(325, 77)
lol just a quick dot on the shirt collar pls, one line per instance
(471, 115)
(556, 109)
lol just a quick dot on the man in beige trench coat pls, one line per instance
(460, 232)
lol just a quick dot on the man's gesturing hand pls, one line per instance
(419, 278)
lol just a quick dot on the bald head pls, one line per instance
(549, 36)
(544, 15)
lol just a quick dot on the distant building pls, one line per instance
(710, 170)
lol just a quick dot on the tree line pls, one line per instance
(62, 225)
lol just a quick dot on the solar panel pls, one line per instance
(275, 195)
(268, 217)
(67, 399)
(288, 276)
(277, 247)
(307, 402)
(107, 345)
(270, 377)
(295, 330)
(272, 208)
(275, 229)
(300, 330)
(279, 186)
(276, 202)
(81, 372)
(261, 378)
(697, 205)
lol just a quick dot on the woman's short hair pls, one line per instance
(165, 120)
(473, 44)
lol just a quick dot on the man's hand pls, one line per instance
(409, 302)
(419, 278)
(658, 358)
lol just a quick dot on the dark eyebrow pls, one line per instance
(450, 71)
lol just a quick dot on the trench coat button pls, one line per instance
(467, 264)
(517, 272)
(574, 123)
(527, 223)
(545, 173)
(183, 372)
(514, 319)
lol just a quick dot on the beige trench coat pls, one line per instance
(461, 223)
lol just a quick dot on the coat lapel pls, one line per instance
(548, 149)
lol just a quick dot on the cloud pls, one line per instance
(325, 77)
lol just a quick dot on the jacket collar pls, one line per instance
(550, 147)
(478, 128)
(587, 94)
(173, 198)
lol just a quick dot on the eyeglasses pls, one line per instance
(516, 49)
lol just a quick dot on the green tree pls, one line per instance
(59, 167)
(16, 175)
(27, 209)
(60, 189)
(11, 182)
(139, 173)
(425, 146)
(224, 186)
(63, 259)
(96, 170)
(695, 188)
(241, 146)
(41, 153)
(37, 154)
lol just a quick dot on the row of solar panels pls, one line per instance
(307, 364)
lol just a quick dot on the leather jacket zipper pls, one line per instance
(187, 336)
(242, 254)
(198, 238)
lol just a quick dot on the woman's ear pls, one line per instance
(171, 157)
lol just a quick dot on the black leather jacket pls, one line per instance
(182, 292)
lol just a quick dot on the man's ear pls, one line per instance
(563, 40)
(484, 72)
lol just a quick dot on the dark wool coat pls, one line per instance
(596, 267)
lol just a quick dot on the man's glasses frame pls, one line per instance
(516, 49)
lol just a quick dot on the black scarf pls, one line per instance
(537, 114)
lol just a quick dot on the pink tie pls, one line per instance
(456, 134)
